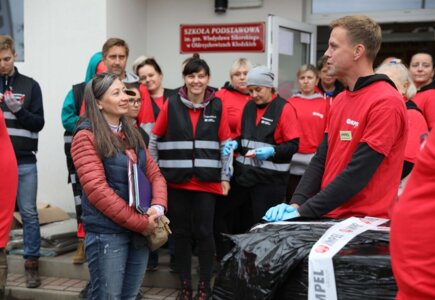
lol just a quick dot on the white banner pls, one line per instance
(321, 278)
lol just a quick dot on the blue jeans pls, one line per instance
(26, 200)
(116, 266)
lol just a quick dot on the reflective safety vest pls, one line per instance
(181, 154)
(25, 142)
(251, 171)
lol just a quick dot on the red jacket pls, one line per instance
(8, 182)
(90, 170)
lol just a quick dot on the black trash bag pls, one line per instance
(271, 263)
(361, 272)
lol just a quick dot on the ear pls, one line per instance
(100, 107)
(358, 51)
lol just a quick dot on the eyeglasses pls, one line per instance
(135, 101)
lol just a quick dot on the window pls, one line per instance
(344, 6)
(12, 23)
(322, 12)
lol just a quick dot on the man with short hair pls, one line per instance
(115, 55)
(24, 115)
(356, 170)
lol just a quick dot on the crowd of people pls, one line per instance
(220, 161)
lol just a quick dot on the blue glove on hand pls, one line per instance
(228, 146)
(281, 212)
(264, 153)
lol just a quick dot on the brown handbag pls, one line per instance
(160, 235)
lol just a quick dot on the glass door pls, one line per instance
(290, 45)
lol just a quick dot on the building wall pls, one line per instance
(127, 20)
(163, 41)
(61, 35)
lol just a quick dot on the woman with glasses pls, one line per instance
(134, 106)
(151, 77)
(104, 145)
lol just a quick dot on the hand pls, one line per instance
(13, 104)
(225, 187)
(152, 225)
(152, 211)
(264, 153)
(281, 212)
(228, 146)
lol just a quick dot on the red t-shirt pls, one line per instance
(375, 115)
(146, 112)
(312, 114)
(425, 101)
(233, 102)
(287, 127)
(412, 230)
(193, 184)
(416, 128)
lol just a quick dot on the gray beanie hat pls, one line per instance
(261, 76)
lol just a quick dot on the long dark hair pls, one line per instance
(107, 144)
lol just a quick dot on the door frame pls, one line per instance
(273, 25)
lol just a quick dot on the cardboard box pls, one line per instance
(47, 213)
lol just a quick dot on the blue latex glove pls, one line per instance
(264, 153)
(281, 212)
(228, 146)
(228, 165)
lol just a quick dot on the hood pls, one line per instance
(427, 87)
(92, 66)
(209, 95)
(315, 95)
(367, 80)
(338, 88)
(227, 86)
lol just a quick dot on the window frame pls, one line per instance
(413, 15)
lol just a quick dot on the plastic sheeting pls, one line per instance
(272, 263)
(56, 238)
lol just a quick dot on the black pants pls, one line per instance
(191, 214)
(233, 215)
(75, 183)
(250, 203)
